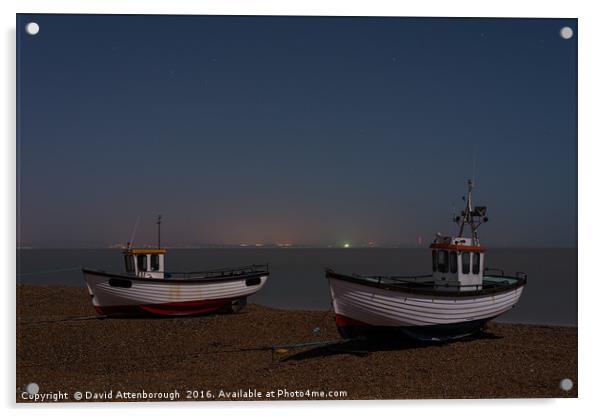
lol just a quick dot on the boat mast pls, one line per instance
(159, 231)
(472, 217)
(464, 219)
(131, 242)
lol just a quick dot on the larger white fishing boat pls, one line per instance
(456, 300)
(145, 288)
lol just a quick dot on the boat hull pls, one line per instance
(118, 295)
(370, 311)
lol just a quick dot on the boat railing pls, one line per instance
(424, 284)
(220, 273)
(413, 281)
(500, 271)
(398, 279)
(520, 276)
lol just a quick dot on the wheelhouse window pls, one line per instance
(453, 262)
(434, 261)
(129, 263)
(442, 261)
(154, 262)
(476, 263)
(466, 262)
(141, 263)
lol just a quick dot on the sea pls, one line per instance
(297, 280)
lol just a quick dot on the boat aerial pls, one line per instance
(145, 288)
(455, 301)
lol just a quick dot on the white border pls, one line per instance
(589, 36)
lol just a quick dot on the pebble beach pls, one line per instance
(269, 354)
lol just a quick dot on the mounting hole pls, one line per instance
(566, 32)
(566, 384)
(32, 28)
(32, 388)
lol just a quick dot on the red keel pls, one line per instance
(184, 308)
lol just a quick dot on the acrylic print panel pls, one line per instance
(279, 208)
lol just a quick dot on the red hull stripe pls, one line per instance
(184, 308)
(343, 321)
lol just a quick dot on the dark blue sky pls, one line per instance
(294, 129)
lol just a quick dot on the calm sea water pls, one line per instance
(297, 275)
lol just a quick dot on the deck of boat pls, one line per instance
(213, 275)
(425, 284)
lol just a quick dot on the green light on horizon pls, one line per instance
(346, 245)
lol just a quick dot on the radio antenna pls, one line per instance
(131, 242)
(159, 231)
(474, 165)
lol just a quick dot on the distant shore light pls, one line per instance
(346, 245)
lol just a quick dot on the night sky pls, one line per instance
(294, 129)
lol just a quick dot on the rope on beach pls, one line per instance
(284, 348)
(49, 271)
(77, 318)
(274, 348)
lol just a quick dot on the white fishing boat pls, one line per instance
(456, 300)
(145, 288)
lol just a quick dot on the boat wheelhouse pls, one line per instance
(456, 300)
(146, 288)
(145, 263)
